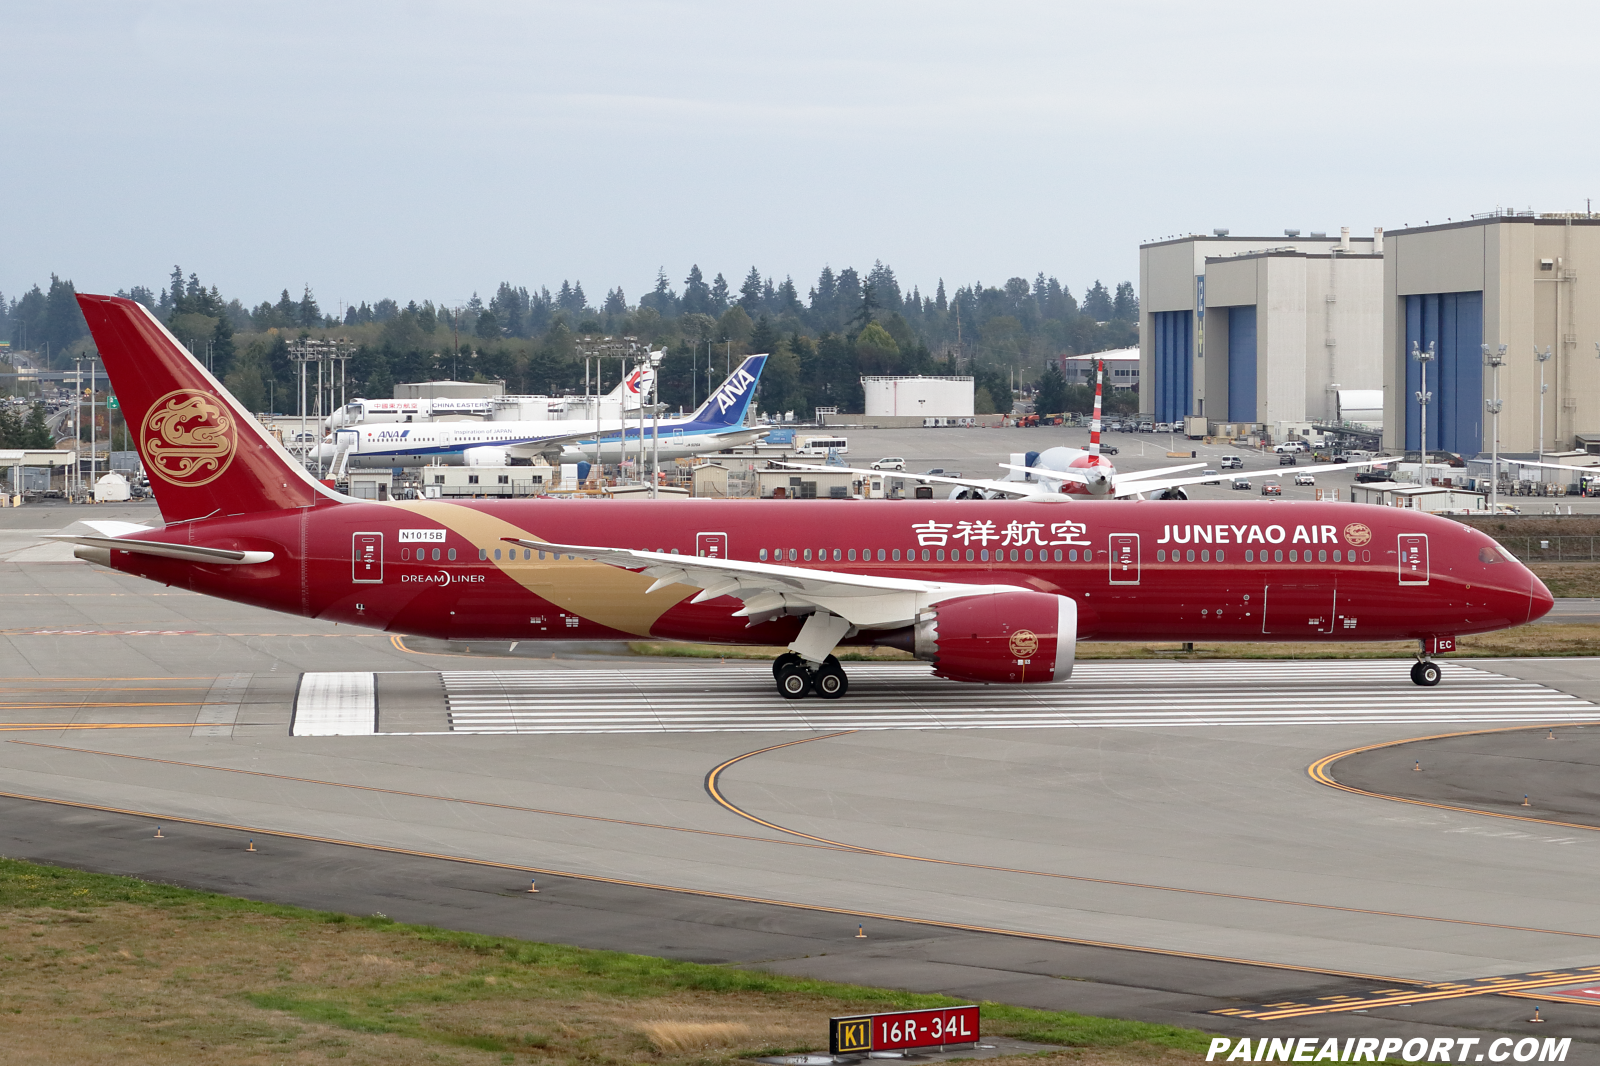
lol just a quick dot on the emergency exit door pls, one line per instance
(1124, 553)
(711, 545)
(366, 558)
(1413, 558)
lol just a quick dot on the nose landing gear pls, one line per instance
(796, 677)
(1426, 672)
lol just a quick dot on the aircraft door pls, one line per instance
(366, 558)
(1303, 608)
(1413, 558)
(1124, 558)
(711, 545)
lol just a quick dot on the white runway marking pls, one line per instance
(335, 705)
(906, 696)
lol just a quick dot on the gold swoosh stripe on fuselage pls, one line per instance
(599, 592)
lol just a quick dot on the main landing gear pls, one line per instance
(796, 677)
(1425, 672)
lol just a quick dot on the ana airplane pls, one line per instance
(994, 592)
(625, 396)
(717, 424)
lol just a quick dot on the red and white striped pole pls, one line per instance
(1094, 426)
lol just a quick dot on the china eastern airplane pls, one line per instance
(1061, 474)
(994, 592)
(626, 396)
(717, 424)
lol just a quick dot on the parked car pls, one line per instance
(1232, 462)
(893, 462)
(1210, 473)
(1305, 479)
(1367, 477)
(1108, 449)
(1271, 488)
(1147, 427)
(1286, 459)
(1291, 446)
(1157, 427)
(1241, 483)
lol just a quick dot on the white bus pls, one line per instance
(822, 446)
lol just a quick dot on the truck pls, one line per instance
(1195, 427)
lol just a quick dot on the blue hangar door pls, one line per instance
(1453, 323)
(1242, 364)
(1173, 358)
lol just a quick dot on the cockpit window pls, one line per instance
(1490, 555)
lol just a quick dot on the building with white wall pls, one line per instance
(1266, 330)
(918, 395)
(1499, 278)
(1122, 368)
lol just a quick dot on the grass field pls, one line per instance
(103, 969)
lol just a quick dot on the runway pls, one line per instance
(1149, 829)
(894, 696)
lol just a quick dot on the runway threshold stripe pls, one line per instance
(808, 842)
(815, 908)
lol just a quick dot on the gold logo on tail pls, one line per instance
(188, 438)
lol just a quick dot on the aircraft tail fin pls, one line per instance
(728, 405)
(204, 453)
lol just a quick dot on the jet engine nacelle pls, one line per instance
(973, 494)
(1173, 494)
(1003, 638)
(484, 456)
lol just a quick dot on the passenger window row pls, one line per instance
(894, 555)
(422, 555)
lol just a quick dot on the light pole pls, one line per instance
(1496, 359)
(1543, 357)
(1424, 397)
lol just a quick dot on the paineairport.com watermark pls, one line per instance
(1377, 1049)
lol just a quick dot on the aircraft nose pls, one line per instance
(1539, 599)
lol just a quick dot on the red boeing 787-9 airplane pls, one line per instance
(989, 591)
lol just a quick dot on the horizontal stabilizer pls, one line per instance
(190, 553)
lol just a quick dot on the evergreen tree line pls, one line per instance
(847, 324)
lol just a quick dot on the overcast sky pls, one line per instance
(429, 150)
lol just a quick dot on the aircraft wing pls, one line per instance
(771, 589)
(1553, 466)
(1021, 489)
(1076, 473)
(1135, 487)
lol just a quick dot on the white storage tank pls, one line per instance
(918, 396)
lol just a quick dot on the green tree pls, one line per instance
(876, 351)
(750, 292)
(36, 434)
(488, 326)
(248, 384)
(781, 385)
(763, 338)
(1051, 398)
(1125, 305)
(735, 326)
(64, 324)
(307, 315)
(1097, 303)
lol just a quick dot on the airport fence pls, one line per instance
(1555, 549)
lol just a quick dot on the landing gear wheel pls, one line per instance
(830, 681)
(1426, 674)
(794, 681)
(784, 660)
